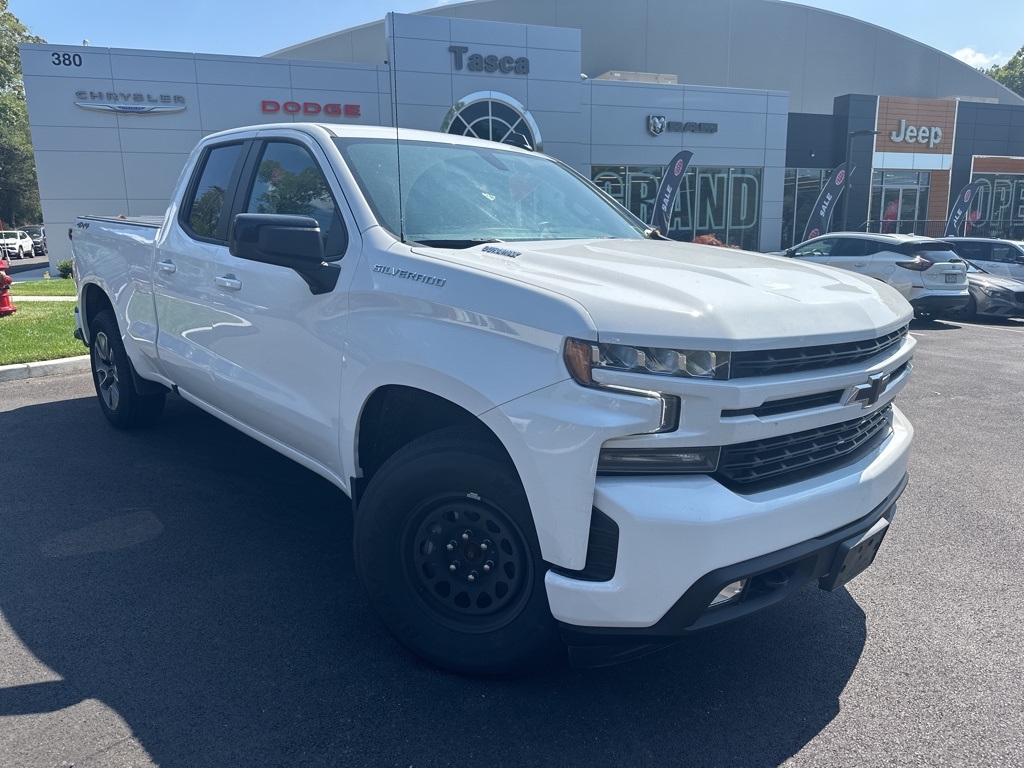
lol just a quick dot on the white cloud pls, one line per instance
(979, 60)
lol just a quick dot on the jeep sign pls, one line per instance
(921, 134)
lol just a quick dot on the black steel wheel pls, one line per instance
(446, 549)
(468, 560)
(112, 377)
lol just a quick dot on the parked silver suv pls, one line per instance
(997, 257)
(926, 271)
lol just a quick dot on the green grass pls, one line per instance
(42, 288)
(39, 330)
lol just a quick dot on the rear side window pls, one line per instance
(974, 251)
(1004, 254)
(208, 198)
(849, 246)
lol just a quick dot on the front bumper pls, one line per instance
(999, 307)
(681, 539)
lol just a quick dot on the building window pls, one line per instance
(494, 117)
(899, 204)
(999, 210)
(719, 201)
(800, 193)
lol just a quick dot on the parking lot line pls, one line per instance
(982, 327)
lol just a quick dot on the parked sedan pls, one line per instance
(927, 272)
(16, 244)
(991, 295)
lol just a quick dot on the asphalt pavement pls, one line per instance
(183, 596)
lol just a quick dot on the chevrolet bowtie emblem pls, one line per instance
(868, 394)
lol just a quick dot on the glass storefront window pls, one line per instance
(1000, 206)
(800, 192)
(899, 203)
(719, 201)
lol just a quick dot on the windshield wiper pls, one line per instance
(467, 243)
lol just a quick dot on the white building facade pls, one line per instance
(112, 128)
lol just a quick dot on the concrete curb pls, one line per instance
(44, 368)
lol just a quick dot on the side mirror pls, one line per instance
(294, 242)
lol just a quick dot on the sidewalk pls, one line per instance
(19, 299)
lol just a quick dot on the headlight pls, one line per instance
(997, 293)
(583, 357)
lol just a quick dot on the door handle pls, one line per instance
(228, 282)
(166, 267)
(861, 264)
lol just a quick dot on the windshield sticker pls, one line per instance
(501, 251)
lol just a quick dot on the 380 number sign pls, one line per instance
(66, 59)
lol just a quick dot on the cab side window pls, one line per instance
(288, 180)
(204, 213)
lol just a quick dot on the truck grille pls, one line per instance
(1019, 297)
(762, 464)
(776, 361)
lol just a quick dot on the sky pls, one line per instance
(981, 33)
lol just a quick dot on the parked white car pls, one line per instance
(997, 257)
(16, 244)
(926, 271)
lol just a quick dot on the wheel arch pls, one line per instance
(394, 415)
(92, 300)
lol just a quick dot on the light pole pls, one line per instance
(849, 169)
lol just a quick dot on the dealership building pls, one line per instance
(768, 96)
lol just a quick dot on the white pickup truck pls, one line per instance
(557, 428)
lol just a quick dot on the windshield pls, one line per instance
(9, 235)
(33, 231)
(456, 195)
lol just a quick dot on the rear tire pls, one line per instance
(446, 549)
(113, 378)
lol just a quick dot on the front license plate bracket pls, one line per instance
(854, 555)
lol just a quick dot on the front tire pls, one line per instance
(112, 376)
(446, 549)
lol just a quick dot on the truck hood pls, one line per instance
(658, 292)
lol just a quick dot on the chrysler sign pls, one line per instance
(129, 103)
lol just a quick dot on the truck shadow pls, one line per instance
(202, 587)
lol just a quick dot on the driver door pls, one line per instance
(278, 369)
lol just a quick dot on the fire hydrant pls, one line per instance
(6, 308)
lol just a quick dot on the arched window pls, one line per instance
(494, 117)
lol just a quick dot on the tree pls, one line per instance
(1010, 74)
(19, 188)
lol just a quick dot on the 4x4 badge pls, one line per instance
(868, 394)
